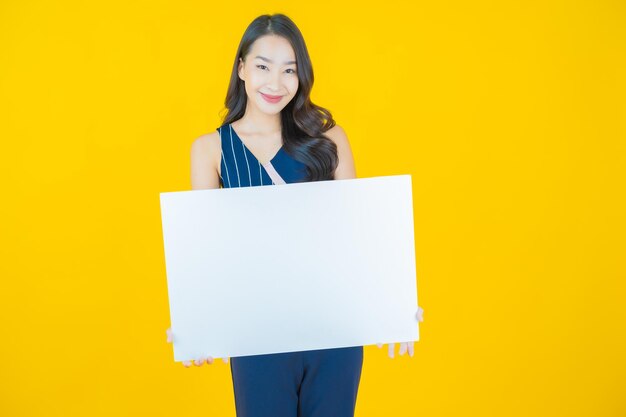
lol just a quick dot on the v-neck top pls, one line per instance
(240, 168)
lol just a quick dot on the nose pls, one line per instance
(274, 82)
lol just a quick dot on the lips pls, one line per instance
(271, 99)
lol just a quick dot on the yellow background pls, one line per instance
(509, 115)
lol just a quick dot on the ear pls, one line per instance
(240, 69)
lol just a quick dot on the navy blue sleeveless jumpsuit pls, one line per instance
(314, 383)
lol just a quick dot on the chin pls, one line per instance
(268, 108)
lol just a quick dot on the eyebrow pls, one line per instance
(271, 62)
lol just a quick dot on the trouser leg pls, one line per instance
(267, 385)
(330, 382)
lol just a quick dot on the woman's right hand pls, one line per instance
(197, 362)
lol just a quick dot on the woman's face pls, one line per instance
(270, 70)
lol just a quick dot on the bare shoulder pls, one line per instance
(206, 152)
(338, 135)
(345, 168)
(206, 142)
(207, 148)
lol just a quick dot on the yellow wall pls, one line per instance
(510, 116)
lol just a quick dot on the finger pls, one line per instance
(411, 347)
(392, 347)
(420, 314)
(187, 364)
(225, 359)
(169, 335)
(379, 345)
(403, 348)
(198, 362)
(209, 360)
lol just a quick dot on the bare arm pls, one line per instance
(205, 154)
(345, 168)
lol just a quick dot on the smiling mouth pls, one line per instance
(271, 97)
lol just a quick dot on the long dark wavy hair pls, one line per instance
(303, 123)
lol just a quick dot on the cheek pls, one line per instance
(255, 79)
(292, 84)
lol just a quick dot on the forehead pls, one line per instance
(276, 48)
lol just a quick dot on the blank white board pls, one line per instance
(291, 267)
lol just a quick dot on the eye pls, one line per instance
(259, 66)
(291, 69)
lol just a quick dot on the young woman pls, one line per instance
(273, 134)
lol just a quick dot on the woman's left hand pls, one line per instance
(404, 346)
